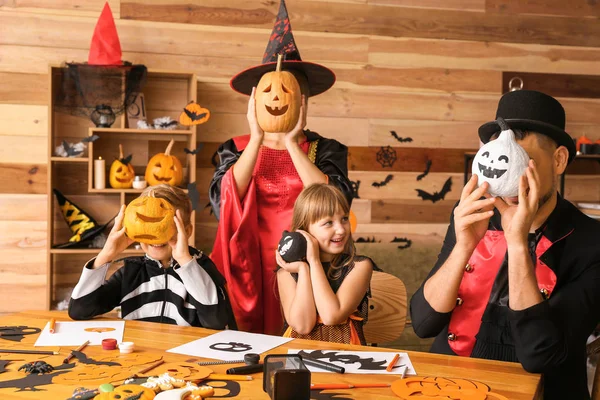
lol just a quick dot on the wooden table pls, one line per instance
(508, 379)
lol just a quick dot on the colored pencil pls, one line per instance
(392, 363)
(70, 356)
(29, 351)
(151, 367)
(325, 386)
(52, 327)
(228, 377)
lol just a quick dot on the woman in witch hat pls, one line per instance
(260, 175)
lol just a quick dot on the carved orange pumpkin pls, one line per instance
(150, 220)
(121, 172)
(164, 168)
(125, 392)
(278, 100)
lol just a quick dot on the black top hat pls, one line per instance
(531, 110)
(282, 41)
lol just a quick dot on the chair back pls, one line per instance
(387, 309)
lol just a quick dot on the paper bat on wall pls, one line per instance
(193, 195)
(401, 139)
(367, 240)
(436, 196)
(426, 172)
(406, 243)
(196, 151)
(384, 182)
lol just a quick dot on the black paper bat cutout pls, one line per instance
(70, 150)
(367, 240)
(232, 347)
(401, 139)
(195, 151)
(90, 139)
(17, 333)
(193, 115)
(84, 359)
(384, 182)
(426, 172)
(193, 194)
(30, 382)
(406, 242)
(3, 364)
(436, 196)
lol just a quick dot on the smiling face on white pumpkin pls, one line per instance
(278, 100)
(501, 163)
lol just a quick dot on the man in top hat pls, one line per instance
(260, 175)
(518, 279)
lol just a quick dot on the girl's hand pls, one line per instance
(256, 131)
(292, 268)
(312, 247)
(179, 246)
(116, 242)
(292, 136)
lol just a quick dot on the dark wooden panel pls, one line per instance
(23, 178)
(414, 211)
(23, 88)
(374, 20)
(572, 8)
(557, 85)
(386, 158)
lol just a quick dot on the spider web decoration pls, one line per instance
(86, 90)
(386, 156)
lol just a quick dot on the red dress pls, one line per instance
(250, 228)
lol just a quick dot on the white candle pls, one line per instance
(99, 173)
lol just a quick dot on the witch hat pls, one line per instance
(82, 225)
(106, 47)
(282, 41)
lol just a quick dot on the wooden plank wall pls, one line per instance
(415, 80)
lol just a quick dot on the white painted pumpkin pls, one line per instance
(501, 163)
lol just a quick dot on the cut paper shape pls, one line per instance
(443, 389)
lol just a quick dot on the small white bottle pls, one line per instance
(139, 182)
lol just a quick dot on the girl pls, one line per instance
(325, 297)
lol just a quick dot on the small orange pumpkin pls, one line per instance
(125, 392)
(194, 114)
(150, 220)
(164, 168)
(278, 100)
(121, 172)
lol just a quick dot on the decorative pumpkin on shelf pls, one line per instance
(194, 114)
(150, 220)
(278, 100)
(164, 168)
(125, 392)
(501, 163)
(121, 172)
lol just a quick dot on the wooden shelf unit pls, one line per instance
(166, 93)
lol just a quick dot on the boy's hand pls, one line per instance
(116, 242)
(179, 245)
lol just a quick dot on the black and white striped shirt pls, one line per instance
(192, 294)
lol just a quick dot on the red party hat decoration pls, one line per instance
(105, 48)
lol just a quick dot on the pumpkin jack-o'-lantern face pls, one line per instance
(121, 172)
(164, 168)
(128, 392)
(278, 100)
(150, 220)
(501, 163)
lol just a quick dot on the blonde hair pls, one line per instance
(320, 201)
(174, 195)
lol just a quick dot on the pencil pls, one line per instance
(54, 353)
(227, 377)
(392, 363)
(70, 356)
(51, 329)
(151, 367)
(323, 365)
(325, 386)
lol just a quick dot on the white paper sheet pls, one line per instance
(360, 362)
(75, 333)
(230, 345)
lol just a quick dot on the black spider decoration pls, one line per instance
(386, 156)
(37, 367)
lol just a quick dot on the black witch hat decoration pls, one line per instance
(83, 226)
(282, 42)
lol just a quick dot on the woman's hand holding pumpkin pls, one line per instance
(291, 138)
(517, 219)
(116, 242)
(179, 246)
(256, 132)
(472, 215)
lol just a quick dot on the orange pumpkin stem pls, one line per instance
(120, 151)
(169, 147)
(279, 60)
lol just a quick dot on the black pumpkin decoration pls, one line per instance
(292, 246)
